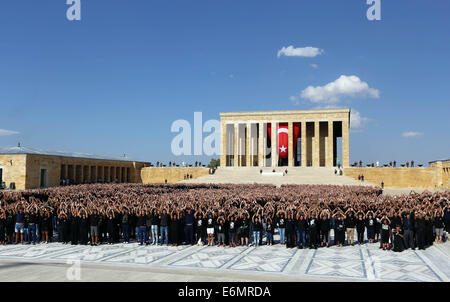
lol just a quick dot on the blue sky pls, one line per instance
(114, 82)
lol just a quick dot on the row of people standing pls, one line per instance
(189, 227)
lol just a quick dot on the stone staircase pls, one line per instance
(295, 175)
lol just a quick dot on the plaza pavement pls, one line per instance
(131, 262)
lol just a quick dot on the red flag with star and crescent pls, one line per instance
(283, 137)
(283, 140)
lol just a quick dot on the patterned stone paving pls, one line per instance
(362, 263)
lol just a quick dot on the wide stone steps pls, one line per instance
(295, 175)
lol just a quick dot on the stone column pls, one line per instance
(290, 144)
(330, 150)
(236, 145)
(93, 175)
(303, 143)
(112, 174)
(274, 144)
(345, 144)
(88, 174)
(125, 176)
(223, 144)
(316, 145)
(261, 147)
(64, 174)
(248, 155)
(83, 180)
(100, 172)
(119, 176)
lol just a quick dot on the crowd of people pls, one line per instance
(392, 164)
(304, 216)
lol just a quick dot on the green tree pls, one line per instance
(214, 163)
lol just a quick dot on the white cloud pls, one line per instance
(344, 86)
(315, 66)
(308, 51)
(412, 134)
(4, 132)
(357, 122)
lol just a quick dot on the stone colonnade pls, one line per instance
(85, 172)
(244, 138)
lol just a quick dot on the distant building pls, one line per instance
(26, 168)
(306, 138)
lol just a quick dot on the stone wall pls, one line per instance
(37, 162)
(171, 174)
(13, 169)
(443, 171)
(420, 177)
(25, 170)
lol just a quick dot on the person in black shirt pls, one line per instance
(370, 225)
(132, 226)
(385, 232)
(26, 238)
(269, 231)
(148, 225)
(339, 231)
(175, 221)
(189, 226)
(300, 229)
(281, 222)
(141, 223)
(232, 231)
(360, 228)
(9, 225)
(164, 221)
(397, 233)
(419, 226)
(32, 220)
(63, 230)
(396, 220)
(377, 227)
(199, 227)
(429, 236)
(244, 228)
(93, 223)
(290, 230)
(438, 223)
(210, 224)
(325, 226)
(220, 231)
(102, 225)
(155, 227)
(257, 229)
(350, 223)
(110, 227)
(74, 228)
(125, 220)
(408, 232)
(312, 227)
(84, 228)
(2, 226)
(45, 226)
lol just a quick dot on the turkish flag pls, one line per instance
(283, 140)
